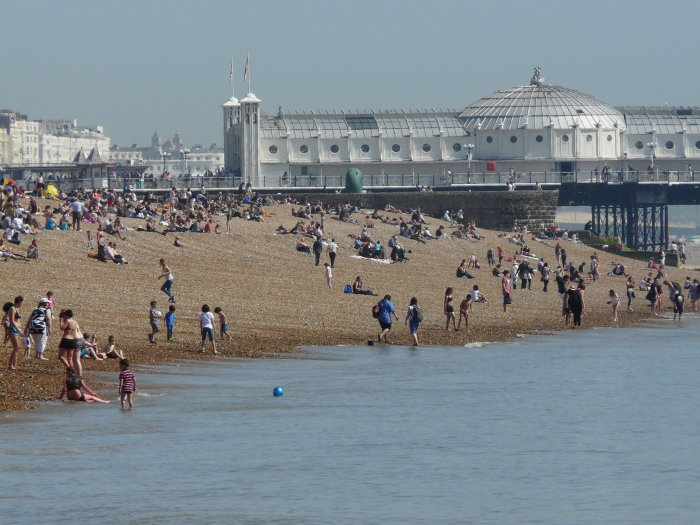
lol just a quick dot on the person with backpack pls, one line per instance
(38, 327)
(414, 318)
(383, 311)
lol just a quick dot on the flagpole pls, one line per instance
(233, 91)
(248, 62)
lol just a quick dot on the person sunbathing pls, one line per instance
(303, 247)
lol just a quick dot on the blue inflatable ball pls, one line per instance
(277, 391)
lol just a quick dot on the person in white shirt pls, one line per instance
(332, 249)
(206, 323)
(12, 236)
(77, 209)
(329, 275)
(18, 225)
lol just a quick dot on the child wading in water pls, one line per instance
(127, 382)
(615, 301)
(153, 316)
(223, 323)
(170, 321)
(465, 307)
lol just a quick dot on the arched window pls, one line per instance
(247, 118)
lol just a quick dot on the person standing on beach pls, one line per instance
(501, 254)
(576, 303)
(465, 307)
(414, 317)
(127, 383)
(153, 316)
(507, 290)
(615, 301)
(38, 327)
(544, 276)
(206, 325)
(318, 249)
(9, 321)
(332, 249)
(223, 324)
(77, 209)
(449, 310)
(329, 275)
(514, 272)
(630, 292)
(168, 284)
(386, 310)
(489, 258)
(170, 321)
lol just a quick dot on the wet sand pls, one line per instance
(276, 299)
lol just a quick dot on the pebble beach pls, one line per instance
(277, 301)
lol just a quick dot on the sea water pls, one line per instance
(597, 426)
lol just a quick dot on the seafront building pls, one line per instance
(535, 128)
(25, 142)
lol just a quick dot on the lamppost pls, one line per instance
(164, 156)
(469, 148)
(652, 147)
(184, 153)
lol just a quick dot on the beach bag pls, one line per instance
(417, 314)
(375, 311)
(348, 288)
(92, 255)
(650, 296)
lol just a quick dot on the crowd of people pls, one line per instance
(197, 212)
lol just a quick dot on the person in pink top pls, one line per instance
(501, 255)
(507, 289)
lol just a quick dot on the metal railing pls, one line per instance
(435, 180)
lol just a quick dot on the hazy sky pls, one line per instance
(135, 67)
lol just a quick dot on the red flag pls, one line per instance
(245, 71)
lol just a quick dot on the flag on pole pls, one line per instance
(245, 71)
(230, 75)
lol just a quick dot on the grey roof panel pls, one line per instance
(540, 105)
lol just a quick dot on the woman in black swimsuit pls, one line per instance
(449, 310)
(72, 339)
(72, 389)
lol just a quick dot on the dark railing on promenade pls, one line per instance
(369, 181)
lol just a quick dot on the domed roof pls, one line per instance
(539, 106)
(233, 101)
(251, 98)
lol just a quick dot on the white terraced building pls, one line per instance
(535, 129)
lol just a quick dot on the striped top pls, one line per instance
(126, 381)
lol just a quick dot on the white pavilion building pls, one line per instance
(535, 128)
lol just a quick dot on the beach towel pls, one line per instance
(381, 261)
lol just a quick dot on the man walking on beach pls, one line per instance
(332, 248)
(318, 249)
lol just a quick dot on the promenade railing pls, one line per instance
(435, 180)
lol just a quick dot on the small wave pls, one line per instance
(144, 394)
(477, 344)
